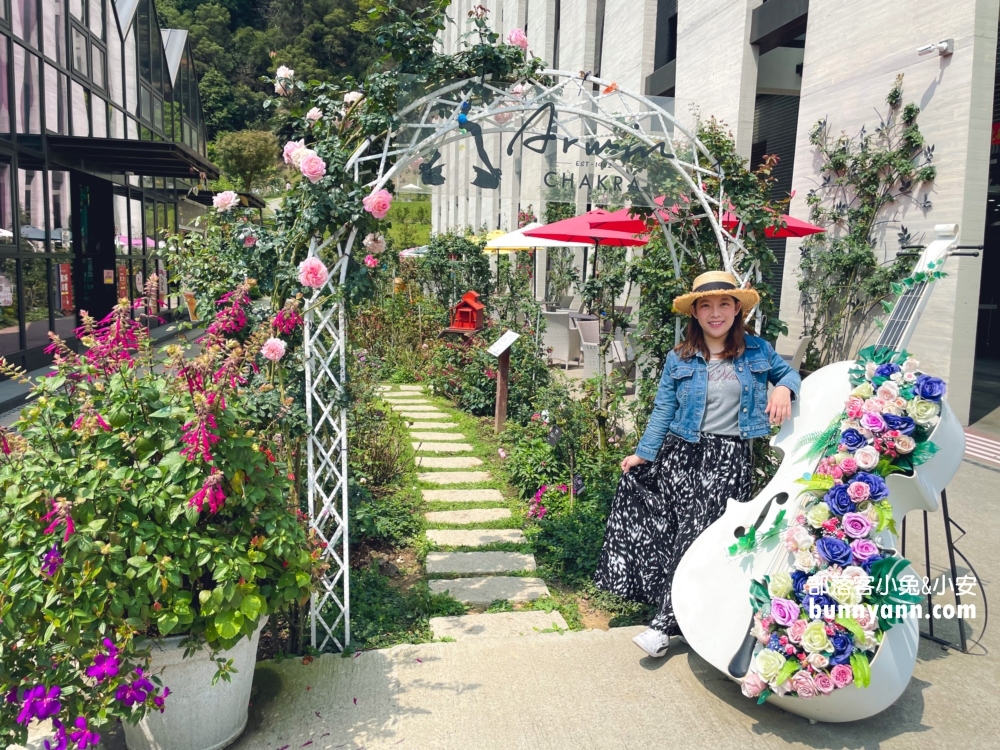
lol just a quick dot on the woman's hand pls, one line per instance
(779, 404)
(630, 461)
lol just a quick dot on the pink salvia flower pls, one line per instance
(287, 321)
(59, 515)
(210, 492)
(199, 438)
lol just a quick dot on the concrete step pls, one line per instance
(474, 537)
(454, 477)
(473, 515)
(437, 437)
(406, 401)
(463, 496)
(478, 562)
(417, 408)
(420, 445)
(433, 425)
(496, 625)
(448, 462)
(483, 590)
(424, 414)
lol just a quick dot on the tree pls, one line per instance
(247, 155)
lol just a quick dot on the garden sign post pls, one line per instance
(501, 350)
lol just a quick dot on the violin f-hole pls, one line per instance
(781, 498)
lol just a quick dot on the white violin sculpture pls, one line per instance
(711, 588)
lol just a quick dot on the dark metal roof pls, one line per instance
(118, 155)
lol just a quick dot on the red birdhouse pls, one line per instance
(467, 315)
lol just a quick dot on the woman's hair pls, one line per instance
(694, 341)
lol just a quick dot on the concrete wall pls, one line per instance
(854, 50)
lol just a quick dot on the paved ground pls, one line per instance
(594, 689)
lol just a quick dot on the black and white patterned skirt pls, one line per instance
(660, 508)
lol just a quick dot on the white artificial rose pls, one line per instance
(864, 390)
(910, 365)
(909, 377)
(870, 370)
(804, 561)
(843, 590)
(802, 538)
(896, 376)
(867, 457)
(780, 585)
(769, 663)
(815, 639)
(818, 661)
(905, 444)
(923, 412)
(887, 392)
(759, 632)
(817, 514)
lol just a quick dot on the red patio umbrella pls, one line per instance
(581, 229)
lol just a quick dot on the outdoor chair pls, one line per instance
(795, 360)
(590, 342)
(563, 339)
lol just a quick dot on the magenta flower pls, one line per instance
(105, 666)
(83, 737)
(39, 703)
(540, 492)
(287, 321)
(370, 261)
(51, 562)
(59, 740)
(59, 515)
(210, 492)
(136, 691)
(159, 700)
(199, 438)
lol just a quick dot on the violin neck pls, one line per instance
(904, 318)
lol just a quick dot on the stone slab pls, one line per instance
(478, 562)
(422, 445)
(496, 625)
(438, 437)
(432, 425)
(463, 496)
(411, 414)
(418, 407)
(454, 477)
(448, 462)
(411, 387)
(486, 589)
(406, 401)
(473, 515)
(474, 537)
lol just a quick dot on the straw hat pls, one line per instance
(716, 284)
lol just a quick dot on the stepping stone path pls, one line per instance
(475, 577)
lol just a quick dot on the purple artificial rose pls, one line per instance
(873, 422)
(856, 525)
(876, 485)
(843, 645)
(839, 501)
(784, 611)
(930, 388)
(863, 550)
(887, 370)
(905, 425)
(834, 551)
(852, 439)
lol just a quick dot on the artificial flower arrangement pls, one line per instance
(820, 623)
(140, 499)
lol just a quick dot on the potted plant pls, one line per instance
(144, 515)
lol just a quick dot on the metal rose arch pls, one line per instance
(560, 118)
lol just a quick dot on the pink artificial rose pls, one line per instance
(848, 466)
(370, 261)
(249, 241)
(273, 349)
(824, 683)
(784, 611)
(752, 685)
(836, 472)
(856, 525)
(866, 619)
(858, 491)
(842, 675)
(518, 38)
(862, 549)
(803, 685)
(872, 422)
(378, 203)
(796, 629)
(312, 167)
(874, 405)
(855, 407)
(312, 273)
(374, 243)
(314, 114)
(288, 153)
(225, 201)
(866, 457)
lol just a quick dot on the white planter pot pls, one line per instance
(198, 715)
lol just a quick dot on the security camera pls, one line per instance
(944, 47)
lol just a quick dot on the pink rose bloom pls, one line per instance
(752, 685)
(856, 525)
(836, 472)
(314, 114)
(824, 683)
(874, 405)
(855, 407)
(517, 38)
(887, 392)
(378, 203)
(842, 675)
(849, 466)
(858, 491)
(502, 118)
(351, 97)
(796, 629)
(872, 422)
(225, 201)
(283, 73)
(866, 620)
(784, 611)
(866, 457)
(273, 349)
(374, 243)
(370, 261)
(862, 549)
(312, 167)
(803, 685)
(290, 150)
(517, 90)
(312, 273)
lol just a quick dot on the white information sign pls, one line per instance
(503, 343)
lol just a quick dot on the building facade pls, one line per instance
(770, 71)
(101, 136)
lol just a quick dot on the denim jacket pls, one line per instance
(680, 399)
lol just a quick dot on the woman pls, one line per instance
(695, 454)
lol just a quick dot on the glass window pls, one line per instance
(99, 119)
(4, 94)
(135, 226)
(117, 127)
(81, 109)
(53, 30)
(142, 36)
(10, 325)
(131, 75)
(59, 212)
(158, 112)
(76, 9)
(3, 11)
(131, 129)
(24, 21)
(27, 91)
(115, 72)
(80, 52)
(96, 18)
(6, 209)
(35, 279)
(56, 101)
(62, 298)
(31, 206)
(121, 224)
(97, 63)
(145, 107)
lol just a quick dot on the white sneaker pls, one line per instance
(653, 642)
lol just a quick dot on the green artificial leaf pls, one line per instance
(852, 626)
(886, 306)
(861, 669)
(790, 667)
(923, 452)
(763, 696)
(758, 594)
